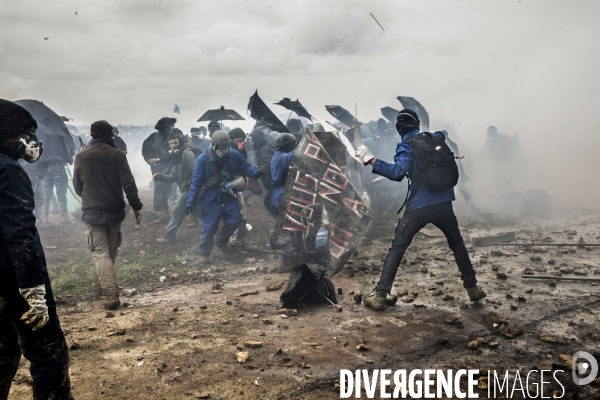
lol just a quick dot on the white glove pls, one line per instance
(152, 161)
(364, 154)
(37, 316)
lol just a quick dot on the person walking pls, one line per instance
(100, 177)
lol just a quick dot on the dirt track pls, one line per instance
(178, 339)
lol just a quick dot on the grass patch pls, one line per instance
(75, 277)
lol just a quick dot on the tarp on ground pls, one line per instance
(308, 284)
(315, 181)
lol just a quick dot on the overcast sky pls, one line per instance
(530, 67)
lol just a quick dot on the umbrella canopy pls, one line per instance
(308, 284)
(221, 114)
(413, 104)
(341, 114)
(294, 106)
(52, 131)
(390, 114)
(260, 112)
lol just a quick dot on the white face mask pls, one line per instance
(222, 153)
(32, 149)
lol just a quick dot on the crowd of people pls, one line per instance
(211, 168)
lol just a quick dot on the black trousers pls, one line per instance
(440, 215)
(46, 349)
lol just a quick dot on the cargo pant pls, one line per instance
(104, 242)
(46, 349)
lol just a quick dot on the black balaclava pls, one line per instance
(407, 121)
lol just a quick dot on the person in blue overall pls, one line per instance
(422, 207)
(219, 165)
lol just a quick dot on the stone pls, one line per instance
(358, 297)
(498, 318)
(273, 287)
(242, 356)
(546, 337)
(252, 344)
(474, 344)
(501, 275)
(362, 347)
(515, 329)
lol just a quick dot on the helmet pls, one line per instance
(284, 140)
(14, 120)
(220, 138)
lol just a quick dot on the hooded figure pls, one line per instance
(422, 207)
(155, 151)
(295, 127)
(28, 319)
(119, 142)
(213, 126)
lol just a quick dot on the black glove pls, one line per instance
(260, 174)
(188, 210)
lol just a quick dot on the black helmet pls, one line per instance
(285, 142)
(14, 120)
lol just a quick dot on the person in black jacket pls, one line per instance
(264, 155)
(119, 142)
(28, 319)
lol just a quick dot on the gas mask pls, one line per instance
(174, 147)
(29, 150)
(221, 151)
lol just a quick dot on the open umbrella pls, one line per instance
(52, 131)
(413, 104)
(221, 114)
(260, 112)
(341, 114)
(294, 106)
(390, 114)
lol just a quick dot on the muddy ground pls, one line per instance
(179, 339)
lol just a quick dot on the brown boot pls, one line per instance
(97, 291)
(112, 297)
(375, 301)
(475, 293)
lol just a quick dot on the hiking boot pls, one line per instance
(391, 301)
(165, 240)
(202, 258)
(112, 305)
(222, 246)
(475, 293)
(162, 217)
(375, 301)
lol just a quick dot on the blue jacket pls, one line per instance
(280, 166)
(206, 166)
(404, 163)
(22, 260)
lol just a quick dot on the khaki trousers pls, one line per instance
(104, 241)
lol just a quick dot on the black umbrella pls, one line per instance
(308, 284)
(390, 113)
(413, 104)
(52, 131)
(341, 114)
(260, 112)
(221, 114)
(294, 106)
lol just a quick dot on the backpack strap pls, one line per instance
(407, 193)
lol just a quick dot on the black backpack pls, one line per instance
(436, 164)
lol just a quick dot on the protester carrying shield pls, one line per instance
(184, 158)
(28, 320)
(100, 177)
(423, 207)
(155, 151)
(218, 174)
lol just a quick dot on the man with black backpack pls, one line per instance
(430, 166)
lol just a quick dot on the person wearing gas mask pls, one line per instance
(423, 207)
(184, 158)
(28, 320)
(155, 151)
(100, 177)
(218, 174)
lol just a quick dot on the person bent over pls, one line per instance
(422, 207)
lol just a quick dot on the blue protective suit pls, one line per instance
(280, 165)
(217, 205)
(404, 162)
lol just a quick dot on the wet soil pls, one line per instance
(179, 339)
